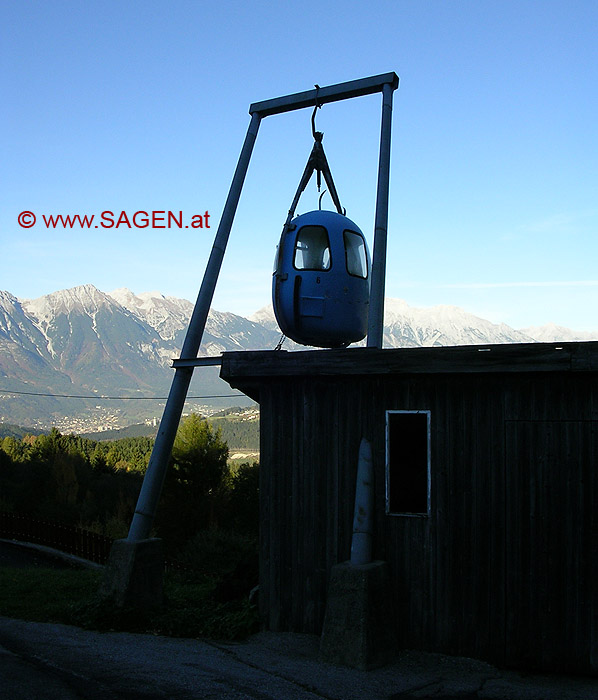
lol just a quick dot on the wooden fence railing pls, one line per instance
(65, 538)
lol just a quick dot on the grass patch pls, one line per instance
(191, 608)
(44, 595)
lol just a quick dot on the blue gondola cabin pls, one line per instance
(321, 288)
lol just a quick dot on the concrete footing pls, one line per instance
(358, 625)
(134, 575)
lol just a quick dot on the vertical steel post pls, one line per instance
(376, 313)
(154, 477)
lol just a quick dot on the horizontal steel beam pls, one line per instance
(331, 93)
(198, 362)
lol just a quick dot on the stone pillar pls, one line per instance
(134, 574)
(358, 624)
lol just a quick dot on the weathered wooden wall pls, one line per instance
(505, 566)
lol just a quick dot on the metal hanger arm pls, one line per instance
(330, 182)
(330, 93)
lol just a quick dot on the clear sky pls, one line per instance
(143, 105)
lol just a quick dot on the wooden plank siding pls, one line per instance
(505, 567)
(549, 567)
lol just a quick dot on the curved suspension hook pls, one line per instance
(318, 135)
(317, 161)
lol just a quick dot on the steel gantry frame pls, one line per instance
(385, 83)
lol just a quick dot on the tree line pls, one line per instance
(95, 485)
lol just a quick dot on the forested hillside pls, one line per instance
(95, 484)
(240, 428)
(17, 431)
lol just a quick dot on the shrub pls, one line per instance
(228, 558)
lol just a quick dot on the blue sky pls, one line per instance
(144, 106)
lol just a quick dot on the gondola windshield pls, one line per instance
(312, 249)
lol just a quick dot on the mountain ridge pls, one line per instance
(82, 341)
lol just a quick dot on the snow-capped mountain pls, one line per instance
(551, 333)
(16, 326)
(167, 315)
(24, 355)
(95, 341)
(406, 326)
(82, 341)
(409, 327)
(170, 316)
(117, 341)
(266, 318)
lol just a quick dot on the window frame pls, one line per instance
(296, 250)
(365, 254)
(387, 466)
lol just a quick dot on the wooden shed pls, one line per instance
(486, 491)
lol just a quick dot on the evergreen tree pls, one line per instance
(195, 482)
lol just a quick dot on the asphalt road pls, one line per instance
(48, 662)
(40, 661)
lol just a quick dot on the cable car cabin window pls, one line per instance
(408, 463)
(355, 254)
(312, 249)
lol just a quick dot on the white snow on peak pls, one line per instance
(12, 315)
(265, 317)
(85, 298)
(9, 303)
(123, 296)
(409, 326)
(405, 325)
(167, 315)
(170, 315)
(550, 333)
(7, 297)
(148, 296)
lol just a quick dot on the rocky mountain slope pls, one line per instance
(85, 342)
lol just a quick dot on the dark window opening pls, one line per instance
(407, 462)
